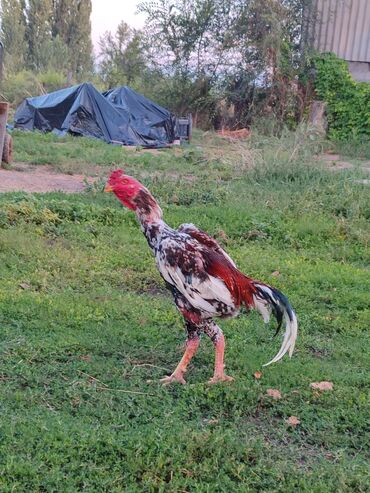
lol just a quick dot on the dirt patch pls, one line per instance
(170, 175)
(28, 178)
(334, 162)
(142, 151)
(242, 133)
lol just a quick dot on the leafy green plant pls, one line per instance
(348, 101)
(52, 80)
(21, 85)
(34, 211)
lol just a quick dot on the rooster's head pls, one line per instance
(124, 187)
(131, 193)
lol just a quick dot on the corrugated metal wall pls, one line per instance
(1, 59)
(343, 27)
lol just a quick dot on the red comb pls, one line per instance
(116, 175)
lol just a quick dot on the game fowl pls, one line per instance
(204, 280)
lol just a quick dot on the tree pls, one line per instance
(55, 55)
(189, 41)
(12, 33)
(242, 52)
(38, 32)
(190, 37)
(49, 34)
(71, 22)
(122, 56)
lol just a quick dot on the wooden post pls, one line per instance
(317, 116)
(3, 119)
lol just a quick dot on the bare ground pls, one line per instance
(28, 178)
(334, 162)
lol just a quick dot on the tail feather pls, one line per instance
(268, 299)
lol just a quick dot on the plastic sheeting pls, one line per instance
(120, 116)
(148, 118)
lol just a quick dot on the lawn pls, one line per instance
(87, 327)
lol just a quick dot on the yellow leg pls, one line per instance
(178, 375)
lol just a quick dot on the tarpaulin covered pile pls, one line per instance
(120, 116)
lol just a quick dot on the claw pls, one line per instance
(174, 378)
(219, 379)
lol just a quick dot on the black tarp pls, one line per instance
(150, 119)
(120, 116)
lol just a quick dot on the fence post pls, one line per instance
(3, 120)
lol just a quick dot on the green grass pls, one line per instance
(87, 328)
(356, 149)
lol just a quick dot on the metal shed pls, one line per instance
(342, 27)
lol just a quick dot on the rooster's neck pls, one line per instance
(150, 217)
(153, 232)
(146, 208)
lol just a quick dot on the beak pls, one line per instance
(108, 188)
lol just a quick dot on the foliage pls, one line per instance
(12, 33)
(19, 85)
(122, 57)
(230, 61)
(348, 101)
(25, 83)
(51, 80)
(71, 22)
(87, 328)
(38, 14)
(42, 35)
(68, 153)
(54, 57)
(31, 210)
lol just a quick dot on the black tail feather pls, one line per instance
(268, 299)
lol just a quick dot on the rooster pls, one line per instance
(204, 280)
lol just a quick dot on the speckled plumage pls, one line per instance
(204, 280)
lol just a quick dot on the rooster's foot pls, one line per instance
(220, 378)
(174, 378)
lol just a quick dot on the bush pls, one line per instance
(52, 80)
(34, 211)
(18, 86)
(26, 84)
(348, 101)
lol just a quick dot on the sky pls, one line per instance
(107, 14)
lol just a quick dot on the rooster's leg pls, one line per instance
(192, 344)
(216, 335)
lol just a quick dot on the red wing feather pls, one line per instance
(217, 263)
(239, 285)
